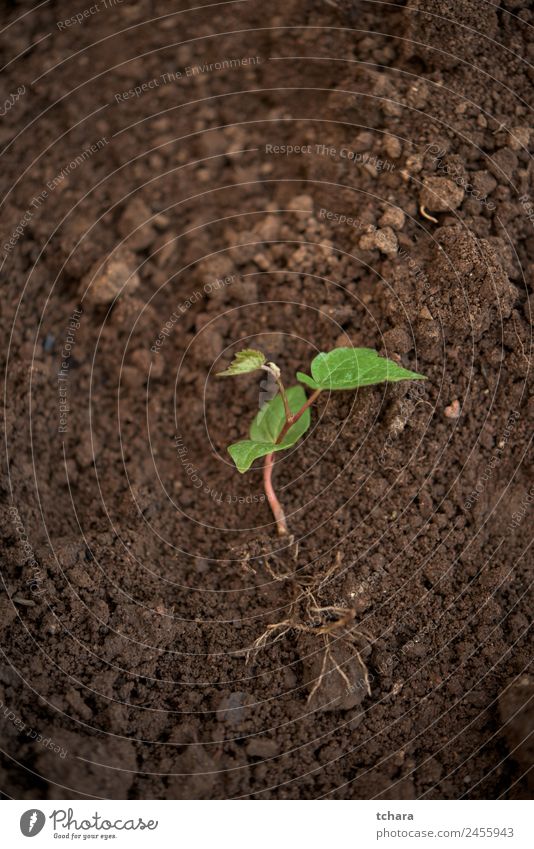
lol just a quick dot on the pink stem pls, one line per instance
(276, 507)
(294, 418)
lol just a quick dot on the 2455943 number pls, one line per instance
(488, 832)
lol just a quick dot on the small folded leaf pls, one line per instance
(307, 380)
(266, 428)
(349, 368)
(244, 362)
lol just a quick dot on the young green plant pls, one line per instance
(282, 421)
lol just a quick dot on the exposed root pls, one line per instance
(335, 664)
(266, 561)
(268, 638)
(321, 675)
(520, 340)
(245, 564)
(329, 622)
(425, 214)
(277, 576)
(349, 637)
(274, 633)
(308, 615)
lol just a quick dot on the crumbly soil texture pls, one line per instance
(181, 181)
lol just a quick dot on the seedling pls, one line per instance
(282, 421)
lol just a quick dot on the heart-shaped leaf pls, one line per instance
(266, 428)
(268, 423)
(245, 452)
(244, 362)
(349, 368)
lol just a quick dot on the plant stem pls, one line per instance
(274, 371)
(291, 418)
(282, 390)
(276, 507)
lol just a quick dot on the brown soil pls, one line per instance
(137, 564)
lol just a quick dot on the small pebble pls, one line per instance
(117, 275)
(425, 314)
(261, 261)
(398, 341)
(162, 221)
(301, 202)
(453, 410)
(439, 194)
(392, 147)
(48, 343)
(363, 141)
(135, 225)
(262, 748)
(503, 165)
(519, 138)
(367, 242)
(484, 182)
(392, 109)
(148, 364)
(386, 241)
(393, 217)
(414, 163)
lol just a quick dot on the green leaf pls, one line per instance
(266, 428)
(270, 420)
(245, 452)
(349, 368)
(307, 380)
(244, 362)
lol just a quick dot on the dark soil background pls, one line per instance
(137, 564)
